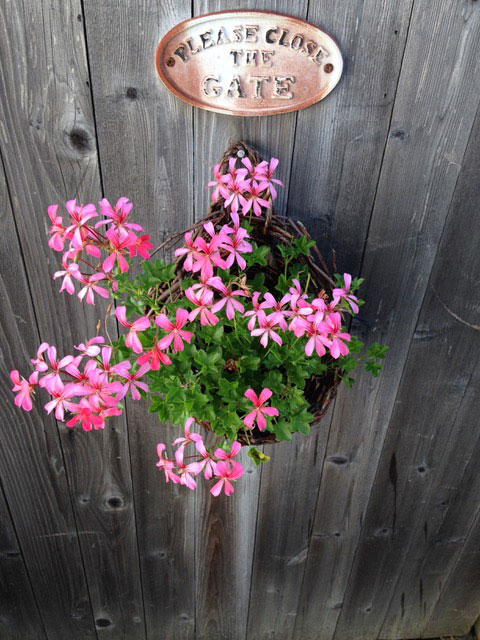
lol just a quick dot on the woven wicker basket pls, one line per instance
(272, 230)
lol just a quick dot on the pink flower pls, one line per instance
(256, 172)
(189, 436)
(207, 254)
(175, 331)
(83, 413)
(166, 465)
(91, 349)
(133, 383)
(132, 340)
(79, 216)
(220, 188)
(297, 290)
(266, 329)
(52, 380)
(91, 286)
(71, 271)
(226, 471)
(39, 362)
(187, 471)
(24, 389)
(202, 302)
(155, 357)
(335, 336)
(237, 187)
(100, 389)
(143, 245)
(117, 217)
(189, 251)
(260, 410)
(316, 333)
(278, 316)
(338, 294)
(268, 170)
(255, 200)
(236, 245)
(253, 314)
(300, 311)
(228, 298)
(234, 450)
(119, 244)
(57, 230)
(61, 399)
(206, 462)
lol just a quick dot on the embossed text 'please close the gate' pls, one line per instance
(249, 62)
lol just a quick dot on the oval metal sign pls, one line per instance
(249, 63)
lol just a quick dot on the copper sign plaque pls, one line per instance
(249, 63)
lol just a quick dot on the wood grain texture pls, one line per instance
(33, 474)
(428, 444)
(145, 140)
(442, 52)
(49, 146)
(438, 448)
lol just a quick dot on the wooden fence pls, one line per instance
(370, 527)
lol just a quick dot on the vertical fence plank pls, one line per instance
(49, 147)
(225, 539)
(424, 150)
(145, 141)
(435, 443)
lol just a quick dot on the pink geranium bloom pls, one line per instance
(24, 389)
(253, 313)
(133, 383)
(142, 324)
(238, 186)
(187, 471)
(91, 286)
(189, 251)
(266, 326)
(260, 411)
(166, 465)
(278, 315)
(117, 216)
(268, 170)
(256, 172)
(53, 380)
(119, 243)
(207, 253)
(316, 333)
(340, 293)
(220, 187)
(236, 245)
(57, 230)
(100, 389)
(155, 358)
(189, 436)
(61, 399)
(142, 245)
(202, 302)
(39, 362)
(79, 216)
(175, 331)
(297, 290)
(228, 298)
(336, 345)
(226, 471)
(298, 315)
(83, 413)
(207, 463)
(70, 271)
(91, 348)
(234, 451)
(254, 200)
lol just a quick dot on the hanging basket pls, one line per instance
(272, 230)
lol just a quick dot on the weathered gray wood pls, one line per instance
(406, 226)
(283, 531)
(49, 144)
(442, 480)
(145, 139)
(32, 469)
(19, 615)
(428, 443)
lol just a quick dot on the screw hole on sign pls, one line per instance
(132, 93)
(240, 153)
(170, 62)
(328, 68)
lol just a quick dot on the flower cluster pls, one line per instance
(85, 242)
(212, 348)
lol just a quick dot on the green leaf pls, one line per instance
(257, 456)
(377, 350)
